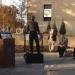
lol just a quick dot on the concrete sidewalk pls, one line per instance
(59, 66)
(52, 65)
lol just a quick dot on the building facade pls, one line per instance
(61, 10)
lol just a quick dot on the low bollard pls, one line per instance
(74, 54)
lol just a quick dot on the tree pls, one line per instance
(21, 16)
(48, 26)
(8, 16)
(55, 29)
(62, 28)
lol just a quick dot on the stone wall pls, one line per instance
(61, 9)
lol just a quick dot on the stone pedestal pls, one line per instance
(33, 58)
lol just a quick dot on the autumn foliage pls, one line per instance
(8, 16)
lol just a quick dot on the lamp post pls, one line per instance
(24, 38)
(27, 6)
(3, 23)
(24, 31)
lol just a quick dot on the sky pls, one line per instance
(16, 3)
(11, 2)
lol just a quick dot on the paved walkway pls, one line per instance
(53, 65)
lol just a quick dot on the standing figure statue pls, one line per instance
(33, 30)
